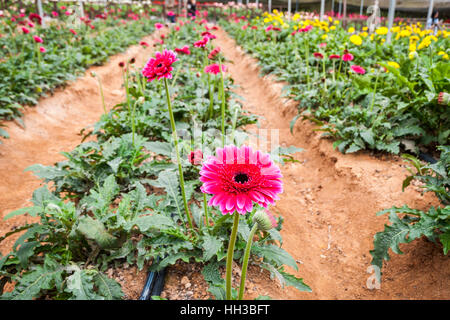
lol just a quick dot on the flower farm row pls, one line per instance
(119, 198)
(35, 60)
(367, 94)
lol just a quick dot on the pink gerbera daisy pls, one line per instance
(201, 43)
(215, 69)
(214, 53)
(158, 25)
(184, 50)
(347, 57)
(38, 39)
(238, 177)
(42, 49)
(73, 31)
(25, 30)
(160, 66)
(358, 69)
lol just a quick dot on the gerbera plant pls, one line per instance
(238, 178)
(160, 67)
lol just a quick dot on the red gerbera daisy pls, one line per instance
(334, 56)
(160, 66)
(318, 55)
(237, 177)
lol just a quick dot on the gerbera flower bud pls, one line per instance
(239, 177)
(42, 49)
(121, 64)
(444, 98)
(265, 220)
(160, 66)
(25, 30)
(196, 157)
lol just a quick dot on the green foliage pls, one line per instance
(408, 224)
(386, 109)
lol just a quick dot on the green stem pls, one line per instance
(230, 255)
(334, 71)
(211, 97)
(175, 141)
(324, 75)
(205, 205)
(133, 125)
(374, 91)
(223, 103)
(245, 261)
(307, 65)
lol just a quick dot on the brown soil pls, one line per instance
(329, 207)
(53, 126)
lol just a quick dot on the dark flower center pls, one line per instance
(241, 178)
(159, 65)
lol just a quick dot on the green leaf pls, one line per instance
(353, 148)
(211, 245)
(275, 255)
(80, 284)
(32, 211)
(445, 240)
(367, 135)
(108, 288)
(162, 148)
(391, 237)
(297, 283)
(26, 250)
(211, 273)
(155, 221)
(172, 259)
(32, 283)
(95, 230)
(169, 181)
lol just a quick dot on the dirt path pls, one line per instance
(53, 126)
(330, 203)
